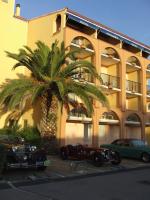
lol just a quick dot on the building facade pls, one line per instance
(122, 63)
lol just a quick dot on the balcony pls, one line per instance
(133, 87)
(110, 81)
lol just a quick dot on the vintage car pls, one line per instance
(130, 148)
(98, 156)
(19, 154)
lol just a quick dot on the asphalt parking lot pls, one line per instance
(64, 169)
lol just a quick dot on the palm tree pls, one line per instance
(51, 81)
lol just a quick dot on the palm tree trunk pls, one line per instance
(58, 123)
(48, 124)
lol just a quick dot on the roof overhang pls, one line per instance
(107, 31)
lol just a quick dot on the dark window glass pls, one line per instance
(138, 143)
(58, 23)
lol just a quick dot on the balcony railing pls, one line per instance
(110, 81)
(148, 89)
(132, 86)
(82, 76)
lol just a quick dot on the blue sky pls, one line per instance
(131, 17)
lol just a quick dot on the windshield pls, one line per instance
(138, 143)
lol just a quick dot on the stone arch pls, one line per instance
(109, 127)
(148, 67)
(86, 53)
(112, 52)
(133, 125)
(83, 42)
(148, 83)
(110, 74)
(133, 77)
(78, 127)
(134, 61)
(133, 117)
(78, 112)
(111, 115)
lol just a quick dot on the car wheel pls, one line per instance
(42, 168)
(145, 157)
(64, 155)
(116, 158)
(97, 160)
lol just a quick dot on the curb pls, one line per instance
(74, 177)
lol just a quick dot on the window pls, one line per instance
(138, 143)
(58, 23)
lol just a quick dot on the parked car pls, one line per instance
(130, 148)
(98, 156)
(19, 154)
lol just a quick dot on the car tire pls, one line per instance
(117, 158)
(42, 168)
(97, 160)
(145, 157)
(64, 155)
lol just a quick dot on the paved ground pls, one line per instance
(127, 185)
(61, 169)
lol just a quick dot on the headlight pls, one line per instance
(25, 158)
(33, 148)
(15, 148)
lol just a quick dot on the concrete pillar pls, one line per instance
(123, 84)
(97, 63)
(143, 88)
(95, 127)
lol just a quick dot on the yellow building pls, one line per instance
(122, 62)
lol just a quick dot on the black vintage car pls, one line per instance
(98, 156)
(19, 154)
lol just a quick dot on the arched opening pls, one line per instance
(110, 75)
(148, 67)
(148, 81)
(78, 112)
(109, 127)
(58, 23)
(86, 53)
(133, 83)
(148, 87)
(133, 126)
(78, 127)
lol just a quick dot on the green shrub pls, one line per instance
(30, 134)
(10, 130)
(2, 157)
